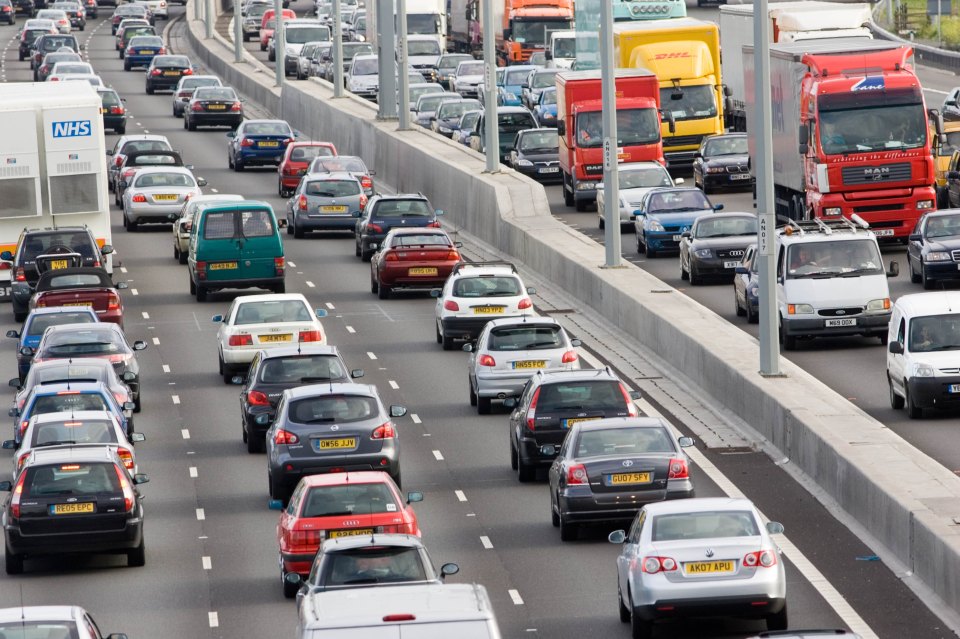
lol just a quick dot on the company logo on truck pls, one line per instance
(873, 83)
(72, 129)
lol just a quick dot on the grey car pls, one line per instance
(509, 350)
(325, 428)
(446, 118)
(447, 68)
(345, 163)
(306, 55)
(715, 244)
(427, 105)
(325, 201)
(73, 620)
(350, 49)
(422, 88)
(467, 127)
(185, 88)
(43, 71)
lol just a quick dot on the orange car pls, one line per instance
(295, 161)
(268, 25)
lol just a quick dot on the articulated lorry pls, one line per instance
(850, 133)
(52, 164)
(424, 17)
(684, 53)
(522, 26)
(804, 21)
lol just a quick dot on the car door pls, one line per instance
(628, 553)
(223, 331)
(259, 243)
(915, 248)
(897, 361)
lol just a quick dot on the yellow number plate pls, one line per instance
(422, 270)
(222, 266)
(532, 363)
(619, 479)
(333, 209)
(268, 143)
(165, 197)
(708, 567)
(171, 73)
(146, 52)
(58, 264)
(102, 110)
(488, 310)
(570, 422)
(72, 509)
(335, 444)
(217, 107)
(350, 533)
(286, 337)
(79, 304)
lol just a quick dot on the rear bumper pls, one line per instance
(260, 282)
(216, 119)
(752, 607)
(467, 328)
(288, 470)
(587, 509)
(127, 538)
(507, 384)
(261, 156)
(326, 222)
(300, 563)
(153, 213)
(138, 60)
(537, 453)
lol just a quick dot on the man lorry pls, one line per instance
(522, 26)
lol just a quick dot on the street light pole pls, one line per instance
(387, 60)
(608, 95)
(490, 124)
(278, 48)
(237, 32)
(211, 16)
(403, 102)
(337, 39)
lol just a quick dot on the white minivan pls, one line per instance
(922, 366)
(429, 611)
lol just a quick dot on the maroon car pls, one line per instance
(412, 258)
(82, 286)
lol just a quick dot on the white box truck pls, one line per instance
(52, 169)
(424, 17)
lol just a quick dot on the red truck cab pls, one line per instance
(579, 112)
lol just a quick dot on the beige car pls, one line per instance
(181, 226)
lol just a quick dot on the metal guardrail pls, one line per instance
(930, 56)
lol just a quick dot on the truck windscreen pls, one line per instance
(634, 126)
(689, 103)
(879, 128)
(423, 24)
(533, 33)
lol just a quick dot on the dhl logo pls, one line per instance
(672, 55)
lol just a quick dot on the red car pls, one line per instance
(268, 25)
(412, 258)
(295, 161)
(62, 285)
(340, 505)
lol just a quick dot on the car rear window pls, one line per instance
(40, 323)
(525, 337)
(496, 286)
(333, 188)
(267, 128)
(78, 343)
(39, 243)
(335, 164)
(75, 280)
(46, 374)
(301, 369)
(146, 41)
(193, 83)
(374, 565)
(69, 401)
(172, 61)
(272, 311)
(214, 93)
(164, 180)
(403, 208)
(109, 98)
(71, 479)
(307, 153)
(705, 525)
(145, 145)
(38, 630)
(333, 409)
(80, 431)
(624, 441)
(153, 160)
(351, 499)
(420, 239)
(581, 395)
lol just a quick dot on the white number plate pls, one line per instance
(730, 264)
(846, 321)
(676, 238)
(550, 169)
(953, 388)
(740, 176)
(883, 232)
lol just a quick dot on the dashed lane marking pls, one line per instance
(460, 495)
(438, 455)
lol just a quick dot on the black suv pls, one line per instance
(73, 499)
(40, 250)
(27, 39)
(554, 401)
(384, 212)
(165, 71)
(50, 42)
(276, 370)
(26, 7)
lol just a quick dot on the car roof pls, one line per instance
(382, 197)
(326, 388)
(538, 320)
(932, 303)
(698, 504)
(59, 454)
(266, 121)
(236, 205)
(46, 418)
(611, 423)
(548, 377)
(303, 349)
(418, 231)
(142, 137)
(340, 479)
(273, 297)
(216, 197)
(512, 109)
(720, 215)
(40, 613)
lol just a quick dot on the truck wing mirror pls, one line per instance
(561, 128)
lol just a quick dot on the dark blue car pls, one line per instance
(746, 286)
(37, 322)
(141, 50)
(384, 212)
(260, 142)
(70, 397)
(664, 214)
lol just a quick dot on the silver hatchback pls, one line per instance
(510, 350)
(325, 202)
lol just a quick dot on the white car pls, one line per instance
(476, 293)
(156, 193)
(183, 224)
(94, 79)
(700, 557)
(468, 77)
(636, 178)
(59, 18)
(257, 322)
(363, 79)
(158, 8)
(61, 69)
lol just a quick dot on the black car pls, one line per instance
(113, 111)
(91, 7)
(75, 13)
(714, 246)
(165, 72)
(28, 38)
(551, 403)
(73, 499)
(537, 155)
(213, 106)
(723, 161)
(129, 10)
(446, 119)
(50, 42)
(384, 212)
(26, 7)
(933, 249)
(8, 12)
(273, 371)
(39, 250)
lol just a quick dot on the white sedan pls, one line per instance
(157, 192)
(61, 69)
(635, 179)
(257, 322)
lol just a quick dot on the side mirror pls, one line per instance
(698, 155)
(894, 269)
(14, 383)
(510, 402)
(6, 486)
(6, 255)
(117, 635)
(575, 342)
(952, 103)
(718, 207)
(458, 244)
(447, 569)
(414, 497)
(13, 334)
(678, 181)
(439, 212)
(356, 214)
(561, 128)
(531, 290)
(106, 249)
(201, 181)
(263, 419)
(14, 412)
(282, 222)
(685, 442)
(217, 319)
(137, 437)
(320, 312)
(121, 286)
(357, 373)
(374, 246)
(140, 478)
(914, 237)
(110, 152)
(435, 292)
(635, 394)
(122, 184)
(686, 234)
(467, 348)
(129, 406)
(895, 348)
(139, 345)
(276, 504)
(128, 376)
(397, 411)
(231, 134)
(9, 444)
(774, 528)
(238, 380)
(27, 351)
(617, 537)
(189, 167)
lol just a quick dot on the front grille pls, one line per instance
(732, 253)
(950, 371)
(886, 224)
(553, 163)
(878, 208)
(874, 174)
(955, 255)
(740, 168)
(840, 312)
(682, 140)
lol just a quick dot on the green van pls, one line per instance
(235, 245)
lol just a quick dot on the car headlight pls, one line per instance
(938, 256)
(654, 225)
(445, 129)
(924, 204)
(360, 38)
(715, 169)
(586, 186)
(833, 210)
(522, 162)
(703, 253)
(923, 370)
(799, 309)
(879, 305)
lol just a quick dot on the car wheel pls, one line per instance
(374, 287)
(254, 444)
(779, 620)
(357, 248)
(13, 562)
(483, 405)
(752, 316)
(149, 90)
(913, 411)
(789, 342)
(176, 252)
(120, 54)
(126, 65)
(365, 256)
(138, 556)
(436, 327)
(695, 277)
(193, 287)
(580, 205)
(191, 125)
(513, 455)
(567, 195)
(624, 611)
(185, 125)
(473, 394)
(914, 276)
(600, 223)
(136, 404)
(183, 257)
(201, 293)
(19, 316)
(568, 530)
(237, 165)
(736, 305)
(554, 510)
(896, 402)
(229, 159)
(640, 628)
(639, 244)
(384, 292)
(525, 472)
(121, 130)
(447, 343)
(684, 275)
(277, 491)
(928, 284)
(297, 230)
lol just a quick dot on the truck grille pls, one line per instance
(682, 140)
(877, 209)
(840, 312)
(874, 174)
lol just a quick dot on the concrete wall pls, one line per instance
(900, 496)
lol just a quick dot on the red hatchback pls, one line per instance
(295, 161)
(340, 505)
(80, 286)
(268, 25)
(412, 258)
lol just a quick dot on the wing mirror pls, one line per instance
(685, 234)
(292, 578)
(414, 497)
(14, 412)
(914, 237)
(436, 292)
(201, 181)
(319, 312)
(107, 249)
(14, 383)
(238, 380)
(686, 442)
(276, 504)
(137, 437)
(9, 444)
(439, 212)
(718, 207)
(575, 342)
(128, 376)
(139, 345)
(6, 486)
(635, 394)
(26, 351)
(531, 290)
(741, 270)
(121, 286)
(617, 537)
(458, 245)
(140, 478)
(13, 334)
(510, 402)
(447, 569)
(263, 419)
(6, 255)
(231, 134)
(129, 406)
(896, 348)
(774, 528)
(397, 411)
(122, 184)
(678, 181)
(357, 373)
(374, 246)
(217, 319)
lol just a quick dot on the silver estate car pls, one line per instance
(635, 179)
(325, 201)
(158, 192)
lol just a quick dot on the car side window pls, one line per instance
(637, 527)
(902, 330)
(92, 630)
(230, 312)
(525, 395)
(281, 408)
(294, 505)
(780, 262)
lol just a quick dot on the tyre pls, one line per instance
(896, 402)
(254, 444)
(695, 278)
(914, 276)
(120, 54)
(624, 611)
(554, 513)
(229, 160)
(580, 205)
(383, 292)
(138, 556)
(201, 293)
(13, 562)
(788, 342)
(126, 65)
(778, 621)
(191, 125)
(121, 130)
(297, 230)
(484, 405)
(639, 245)
(736, 305)
(237, 166)
(600, 223)
(280, 288)
(183, 257)
(513, 456)
(684, 275)
(193, 287)
(435, 327)
(374, 287)
(176, 252)
(525, 472)
(752, 316)
(365, 256)
(277, 491)
(913, 411)
(357, 248)
(473, 394)
(136, 404)
(928, 284)
(568, 531)
(447, 343)
(650, 252)
(19, 316)
(149, 90)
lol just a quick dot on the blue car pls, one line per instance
(512, 81)
(70, 397)
(384, 212)
(746, 286)
(664, 214)
(261, 142)
(37, 322)
(141, 50)
(546, 108)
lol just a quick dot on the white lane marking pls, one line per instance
(200, 514)
(310, 284)
(138, 124)
(123, 269)
(193, 472)
(156, 341)
(371, 355)
(213, 619)
(393, 384)
(330, 306)
(146, 315)
(214, 191)
(351, 329)
(134, 291)
(487, 544)
(438, 455)
(206, 563)
(806, 568)
(175, 398)
(460, 495)
(292, 265)
(166, 368)
(415, 418)
(185, 433)
(515, 596)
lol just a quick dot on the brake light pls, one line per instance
(20, 275)
(113, 302)
(525, 303)
(201, 270)
(302, 203)
(288, 141)
(285, 437)
(117, 359)
(434, 225)
(652, 565)
(486, 360)
(257, 398)
(300, 538)
(390, 256)
(120, 397)
(236, 106)
(240, 340)
(127, 490)
(196, 107)
(54, 79)
(128, 173)
(117, 161)
(632, 409)
(162, 51)
(577, 475)
(23, 427)
(532, 411)
(45, 69)
(278, 266)
(17, 493)
(310, 336)
(678, 469)
(126, 456)
(384, 431)
(363, 201)
(116, 110)
(453, 256)
(139, 197)
(375, 228)
(155, 72)
(131, 51)
(395, 618)
(22, 458)
(246, 142)
(450, 305)
(187, 72)
(760, 559)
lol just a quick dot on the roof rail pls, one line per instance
(459, 266)
(825, 226)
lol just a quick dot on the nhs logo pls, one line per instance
(72, 129)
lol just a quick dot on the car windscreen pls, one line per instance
(373, 565)
(349, 499)
(301, 35)
(423, 47)
(336, 164)
(40, 323)
(542, 80)
(471, 68)
(333, 188)
(456, 109)
(525, 337)
(726, 145)
(541, 141)
(351, 49)
(70, 401)
(73, 479)
(704, 525)
(164, 180)
(364, 66)
(451, 62)
(402, 208)
(85, 342)
(76, 280)
(935, 333)
(678, 202)
(726, 227)
(516, 78)
(487, 286)
(215, 93)
(515, 121)
(837, 258)
(623, 441)
(582, 395)
(52, 58)
(272, 311)
(644, 178)
(942, 226)
(298, 369)
(72, 67)
(333, 409)
(79, 431)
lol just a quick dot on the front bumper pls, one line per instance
(590, 507)
(941, 271)
(728, 180)
(127, 538)
(662, 240)
(467, 328)
(934, 392)
(713, 266)
(540, 174)
(873, 324)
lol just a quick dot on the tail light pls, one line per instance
(434, 225)
(246, 142)
(310, 336)
(652, 565)
(17, 493)
(300, 538)
(201, 270)
(186, 197)
(285, 437)
(678, 469)
(187, 72)
(240, 340)
(288, 141)
(632, 409)
(183, 94)
(525, 303)
(196, 107)
(126, 456)
(450, 305)
(113, 302)
(390, 256)
(290, 169)
(54, 79)
(366, 182)
(453, 256)
(131, 51)
(116, 110)
(117, 161)
(156, 72)
(128, 173)
(236, 106)
(486, 360)
(20, 275)
(139, 198)
(302, 203)
(384, 431)
(20, 460)
(127, 490)
(569, 357)
(45, 69)
(5, 266)
(363, 201)
(257, 398)
(117, 358)
(39, 301)
(760, 559)
(278, 266)
(120, 397)
(23, 427)
(577, 475)
(374, 228)
(161, 51)
(532, 411)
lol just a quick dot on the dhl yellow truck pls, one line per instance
(684, 54)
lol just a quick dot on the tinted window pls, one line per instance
(86, 431)
(151, 180)
(603, 395)
(704, 525)
(330, 501)
(624, 441)
(40, 323)
(374, 565)
(109, 98)
(430, 102)
(502, 286)
(66, 403)
(86, 342)
(219, 225)
(421, 239)
(514, 78)
(364, 66)
(515, 121)
(39, 243)
(456, 109)
(272, 311)
(678, 201)
(193, 83)
(48, 374)
(333, 409)
(267, 128)
(451, 62)
(333, 188)
(402, 208)
(351, 49)
(644, 178)
(75, 280)
(153, 160)
(71, 479)
(171, 61)
(307, 153)
(837, 257)
(146, 41)
(215, 93)
(525, 337)
(297, 369)
(726, 227)
(331, 165)
(543, 80)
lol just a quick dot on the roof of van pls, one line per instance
(235, 205)
(428, 603)
(933, 303)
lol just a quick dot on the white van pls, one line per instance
(830, 281)
(924, 337)
(429, 611)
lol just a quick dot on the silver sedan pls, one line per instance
(157, 193)
(635, 179)
(325, 202)
(510, 350)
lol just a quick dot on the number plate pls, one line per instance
(87, 304)
(171, 73)
(621, 479)
(732, 264)
(165, 197)
(740, 176)
(846, 321)
(422, 270)
(333, 209)
(676, 238)
(883, 232)
(268, 143)
(953, 388)
(145, 52)
(707, 567)
(336, 444)
(530, 363)
(284, 337)
(102, 110)
(216, 107)
(567, 423)
(58, 264)
(488, 310)
(71, 509)
(550, 169)
(350, 533)
(222, 266)
(4, 292)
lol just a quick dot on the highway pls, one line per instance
(211, 560)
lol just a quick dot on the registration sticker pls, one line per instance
(391, 508)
